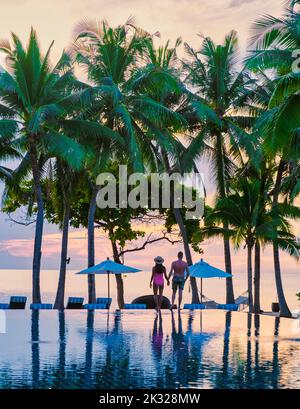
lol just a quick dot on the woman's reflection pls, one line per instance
(157, 336)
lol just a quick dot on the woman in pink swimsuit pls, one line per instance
(157, 278)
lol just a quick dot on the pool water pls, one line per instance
(141, 349)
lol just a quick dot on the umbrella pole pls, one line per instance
(201, 288)
(200, 320)
(108, 285)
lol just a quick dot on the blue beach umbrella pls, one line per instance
(109, 267)
(204, 270)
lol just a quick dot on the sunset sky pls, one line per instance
(55, 20)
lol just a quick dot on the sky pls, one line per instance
(55, 20)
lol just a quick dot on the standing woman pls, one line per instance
(158, 273)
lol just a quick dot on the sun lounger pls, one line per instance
(210, 305)
(4, 306)
(242, 301)
(103, 300)
(194, 307)
(75, 303)
(135, 306)
(17, 302)
(228, 307)
(41, 307)
(95, 307)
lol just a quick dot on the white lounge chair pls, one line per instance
(242, 301)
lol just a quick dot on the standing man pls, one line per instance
(178, 269)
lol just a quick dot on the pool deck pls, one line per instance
(295, 315)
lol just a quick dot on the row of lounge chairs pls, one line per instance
(76, 303)
(16, 303)
(227, 307)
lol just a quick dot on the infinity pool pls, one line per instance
(139, 349)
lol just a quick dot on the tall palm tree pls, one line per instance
(242, 211)
(61, 196)
(219, 115)
(32, 91)
(114, 59)
(161, 80)
(40, 100)
(252, 220)
(274, 42)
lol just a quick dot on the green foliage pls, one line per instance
(221, 108)
(275, 40)
(192, 229)
(144, 107)
(250, 216)
(130, 90)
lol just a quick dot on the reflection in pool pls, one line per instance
(140, 349)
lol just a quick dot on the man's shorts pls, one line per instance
(178, 282)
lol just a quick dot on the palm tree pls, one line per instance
(64, 185)
(161, 80)
(106, 54)
(67, 183)
(32, 92)
(257, 270)
(218, 113)
(275, 40)
(40, 101)
(115, 61)
(242, 213)
(252, 220)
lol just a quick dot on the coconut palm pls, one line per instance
(67, 183)
(115, 60)
(64, 185)
(161, 80)
(25, 91)
(220, 116)
(40, 100)
(243, 212)
(274, 43)
(253, 221)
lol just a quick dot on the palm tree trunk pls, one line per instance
(91, 246)
(249, 274)
(183, 233)
(188, 255)
(60, 294)
(257, 279)
(284, 309)
(119, 279)
(37, 252)
(222, 190)
(229, 283)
